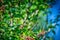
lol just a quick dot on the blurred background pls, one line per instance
(30, 20)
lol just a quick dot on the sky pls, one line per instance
(55, 11)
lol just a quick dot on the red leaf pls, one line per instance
(29, 38)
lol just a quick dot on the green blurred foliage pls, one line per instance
(22, 18)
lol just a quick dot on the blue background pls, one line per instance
(55, 11)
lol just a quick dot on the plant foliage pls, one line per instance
(24, 19)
